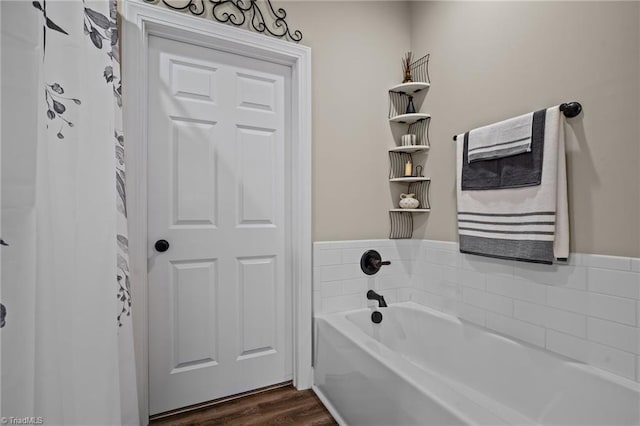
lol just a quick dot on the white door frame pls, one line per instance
(142, 20)
(0, 206)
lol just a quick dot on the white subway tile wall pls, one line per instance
(587, 309)
(340, 285)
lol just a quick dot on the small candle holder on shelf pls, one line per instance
(408, 169)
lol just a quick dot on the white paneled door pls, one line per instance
(219, 294)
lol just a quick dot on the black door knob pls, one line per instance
(162, 245)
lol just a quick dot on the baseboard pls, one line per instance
(325, 401)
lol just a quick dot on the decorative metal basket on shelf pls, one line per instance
(421, 129)
(420, 69)
(421, 189)
(397, 162)
(401, 225)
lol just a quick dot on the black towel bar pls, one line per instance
(569, 109)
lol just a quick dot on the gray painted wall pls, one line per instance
(490, 61)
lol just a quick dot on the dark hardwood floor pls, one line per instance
(281, 406)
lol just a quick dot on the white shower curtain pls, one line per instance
(69, 343)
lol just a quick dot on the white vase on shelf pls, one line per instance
(408, 201)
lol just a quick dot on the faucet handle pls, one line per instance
(371, 262)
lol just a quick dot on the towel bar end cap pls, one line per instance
(571, 109)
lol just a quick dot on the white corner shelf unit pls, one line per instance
(402, 98)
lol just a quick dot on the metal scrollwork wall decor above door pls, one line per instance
(238, 12)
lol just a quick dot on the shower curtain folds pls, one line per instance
(77, 367)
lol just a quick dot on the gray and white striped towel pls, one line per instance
(531, 223)
(508, 172)
(503, 139)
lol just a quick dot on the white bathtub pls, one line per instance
(422, 367)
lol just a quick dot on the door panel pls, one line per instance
(257, 317)
(194, 173)
(219, 297)
(255, 92)
(192, 81)
(194, 337)
(257, 178)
